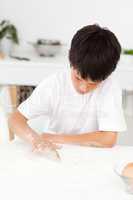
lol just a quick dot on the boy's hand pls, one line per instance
(39, 144)
(46, 139)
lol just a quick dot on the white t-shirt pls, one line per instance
(70, 112)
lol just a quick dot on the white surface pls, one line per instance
(84, 173)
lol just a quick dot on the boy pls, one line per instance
(83, 103)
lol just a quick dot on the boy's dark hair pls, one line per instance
(94, 52)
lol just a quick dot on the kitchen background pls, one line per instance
(60, 19)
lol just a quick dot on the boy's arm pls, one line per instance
(18, 124)
(97, 139)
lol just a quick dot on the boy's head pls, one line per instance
(93, 56)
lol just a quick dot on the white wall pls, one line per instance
(61, 18)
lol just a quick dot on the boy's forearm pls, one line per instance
(97, 139)
(18, 124)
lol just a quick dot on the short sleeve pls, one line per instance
(39, 102)
(110, 112)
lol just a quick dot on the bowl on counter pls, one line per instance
(47, 48)
(125, 171)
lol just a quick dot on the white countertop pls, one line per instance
(83, 173)
(16, 72)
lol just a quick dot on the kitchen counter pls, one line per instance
(83, 173)
(16, 72)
